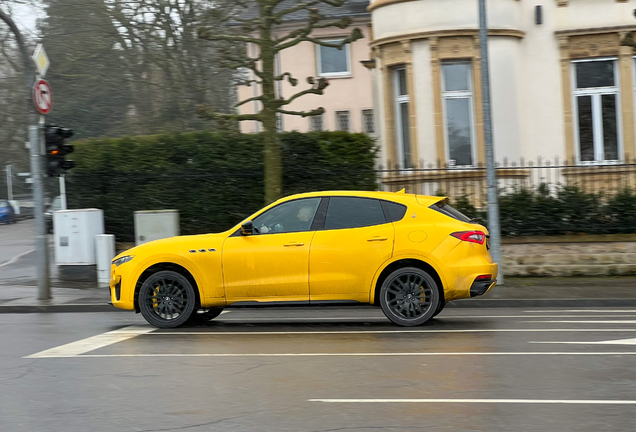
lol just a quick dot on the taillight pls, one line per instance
(471, 236)
(484, 277)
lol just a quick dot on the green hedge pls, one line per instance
(565, 210)
(213, 179)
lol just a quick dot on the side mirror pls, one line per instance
(247, 228)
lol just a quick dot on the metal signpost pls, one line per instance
(491, 176)
(42, 101)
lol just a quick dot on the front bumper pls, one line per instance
(119, 286)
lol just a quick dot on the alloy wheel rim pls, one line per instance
(408, 296)
(168, 299)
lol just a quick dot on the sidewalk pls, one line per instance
(518, 292)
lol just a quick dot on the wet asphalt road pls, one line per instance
(290, 369)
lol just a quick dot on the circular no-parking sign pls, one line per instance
(42, 96)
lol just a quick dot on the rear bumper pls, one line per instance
(481, 287)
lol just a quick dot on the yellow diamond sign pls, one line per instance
(41, 60)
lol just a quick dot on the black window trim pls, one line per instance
(320, 217)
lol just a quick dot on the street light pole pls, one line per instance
(491, 176)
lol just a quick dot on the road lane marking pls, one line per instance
(74, 349)
(221, 333)
(497, 401)
(609, 342)
(15, 258)
(441, 318)
(586, 321)
(370, 354)
(582, 311)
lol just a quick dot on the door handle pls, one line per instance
(294, 244)
(378, 239)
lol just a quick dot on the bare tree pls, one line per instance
(262, 31)
(16, 79)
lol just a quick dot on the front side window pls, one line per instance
(342, 121)
(333, 61)
(351, 212)
(596, 104)
(457, 95)
(291, 216)
(402, 121)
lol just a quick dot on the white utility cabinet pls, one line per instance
(155, 224)
(75, 232)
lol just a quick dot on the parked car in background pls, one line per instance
(49, 210)
(7, 214)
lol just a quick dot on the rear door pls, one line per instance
(355, 241)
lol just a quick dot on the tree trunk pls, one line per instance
(271, 150)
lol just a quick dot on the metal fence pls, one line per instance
(542, 197)
(470, 182)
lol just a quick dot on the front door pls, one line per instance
(355, 242)
(272, 264)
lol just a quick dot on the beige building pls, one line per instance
(348, 100)
(562, 84)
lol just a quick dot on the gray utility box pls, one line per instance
(155, 224)
(75, 232)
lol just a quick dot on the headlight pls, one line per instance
(122, 260)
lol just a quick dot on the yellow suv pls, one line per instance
(409, 254)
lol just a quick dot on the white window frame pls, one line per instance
(597, 120)
(338, 122)
(364, 121)
(399, 99)
(347, 47)
(460, 94)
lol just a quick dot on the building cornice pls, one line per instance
(382, 3)
(595, 30)
(444, 33)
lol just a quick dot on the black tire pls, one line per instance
(440, 308)
(203, 315)
(167, 299)
(409, 296)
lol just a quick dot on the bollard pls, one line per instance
(104, 253)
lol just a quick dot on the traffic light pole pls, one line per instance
(41, 240)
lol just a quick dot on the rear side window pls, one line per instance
(393, 211)
(445, 208)
(350, 212)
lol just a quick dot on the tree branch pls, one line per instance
(209, 114)
(316, 112)
(252, 99)
(207, 34)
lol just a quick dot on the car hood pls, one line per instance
(175, 244)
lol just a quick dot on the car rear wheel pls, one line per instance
(166, 299)
(440, 308)
(409, 296)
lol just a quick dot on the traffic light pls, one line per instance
(57, 149)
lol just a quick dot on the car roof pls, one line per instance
(399, 197)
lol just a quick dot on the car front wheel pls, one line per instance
(409, 296)
(166, 299)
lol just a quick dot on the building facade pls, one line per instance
(348, 100)
(562, 84)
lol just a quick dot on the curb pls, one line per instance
(471, 303)
(63, 308)
(543, 303)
